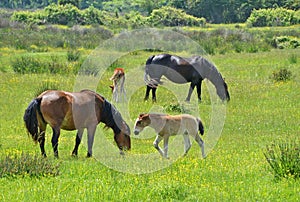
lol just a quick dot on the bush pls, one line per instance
(284, 159)
(27, 165)
(272, 17)
(283, 42)
(63, 14)
(282, 75)
(91, 16)
(169, 16)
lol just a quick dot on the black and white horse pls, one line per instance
(183, 70)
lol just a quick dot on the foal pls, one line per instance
(118, 79)
(167, 125)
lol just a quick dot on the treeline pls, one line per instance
(71, 15)
(214, 11)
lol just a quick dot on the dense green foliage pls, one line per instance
(272, 17)
(214, 11)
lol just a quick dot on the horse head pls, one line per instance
(223, 92)
(141, 122)
(123, 137)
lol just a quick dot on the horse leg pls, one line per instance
(77, 141)
(42, 143)
(166, 142)
(154, 94)
(199, 84)
(115, 91)
(122, 89)
(91, 133)
(147, 92)
(155, 144)
(187, 143)
(201, 144)
(55, 136)
(192, 86)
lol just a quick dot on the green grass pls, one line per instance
(260, 112)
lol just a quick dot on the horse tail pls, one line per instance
(200, 126)
(30, 117)
(149, 61)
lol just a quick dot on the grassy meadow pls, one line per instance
(261, 112)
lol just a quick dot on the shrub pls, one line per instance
(272, 17)
(169, 16)
(282, 75)
(284, 159)
(91, 15)
(27, 165)
(283, 42)
(63, 14)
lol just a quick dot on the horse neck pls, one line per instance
(157, 121)
(210, 72)
(109, 116)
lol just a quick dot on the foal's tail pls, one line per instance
(201, 127)
(30, 117)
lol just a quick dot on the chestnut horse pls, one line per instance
(74, 111)
(183, 70)
(167, 125)
(118, 79)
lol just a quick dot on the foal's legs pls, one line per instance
(166, 142)
(77, 141)
(55, 136)
(201, 144)
(192, 86)
(155, 144)
(91, 133)
(187, 143)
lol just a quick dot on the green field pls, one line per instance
(260, 112)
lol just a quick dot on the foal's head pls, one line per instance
(141, 122)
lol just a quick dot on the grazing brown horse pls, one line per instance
(183, 70)
(167, 125)
(74, 111)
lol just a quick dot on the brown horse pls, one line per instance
(166, 125)
(74, 111)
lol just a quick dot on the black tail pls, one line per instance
(30, 117)
(201, 127)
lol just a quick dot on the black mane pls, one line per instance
(111, 117)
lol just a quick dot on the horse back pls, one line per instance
(70, 111)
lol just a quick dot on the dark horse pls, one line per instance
(183, 70)
(71, 111)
